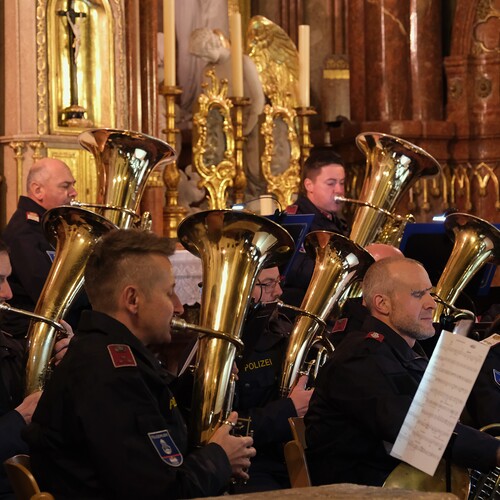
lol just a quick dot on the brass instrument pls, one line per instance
(55, 324)
(234, 247)
(73, 231)
(393, 165)
(339, 262)
(476, 243)
(124, 161)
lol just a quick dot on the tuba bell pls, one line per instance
(233, 247)
(476, 243)
(339, 263)
(124, 161)
(393, 165)
(74, 232)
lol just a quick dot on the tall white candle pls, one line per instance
(304, 66)
(169, 42)
(236, 54)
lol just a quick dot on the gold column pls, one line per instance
(303, 116)
(172, 212)
(18, 147)
(240, 180)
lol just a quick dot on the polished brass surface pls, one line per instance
(124, 160)
(339, 262)
(280, 120)
(74, 232)
(233, 247)
(408, 477)
(213, 141)
(56, 325)
(392, 167)
(476, 243)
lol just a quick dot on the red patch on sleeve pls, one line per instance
(340, 325)
(32, 216)
(291, 209)
(121, 355)
(375, 336)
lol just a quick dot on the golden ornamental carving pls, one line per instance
(279, 123)
(213, 141)
(483, 86)
(276, 59)
(460, 186)
(455, 88)
(18, 147)
(483, 174)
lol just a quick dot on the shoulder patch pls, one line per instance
(166, 448)
(340, 325)
(121, 355)
(496, 377)
(32, 216)
(375, 336)
(291, 209)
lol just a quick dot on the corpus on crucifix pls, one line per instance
(74, 114)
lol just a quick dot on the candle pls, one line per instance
(304, 66)
(169, 42)
(236, 54)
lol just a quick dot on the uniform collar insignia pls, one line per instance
(32, 216)
(375, 336)
(340, 325)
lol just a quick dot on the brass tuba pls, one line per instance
(476, 243)
(393, 165)
(233, 247)
(124, 161)
(339, 262)
(74, 232)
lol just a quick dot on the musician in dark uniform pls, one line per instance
(363, 393)
(265, 336)
(50, 183)
(15, 409)
(323, 178)
(107, 425)
(483, 405)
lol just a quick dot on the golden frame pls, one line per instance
(286, 184)
(216, 179)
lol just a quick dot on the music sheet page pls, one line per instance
(439, 401)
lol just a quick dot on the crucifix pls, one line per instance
(73, 115)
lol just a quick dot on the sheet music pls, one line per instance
(439, 401)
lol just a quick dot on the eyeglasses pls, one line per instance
(269, 285)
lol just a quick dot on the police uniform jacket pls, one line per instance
(11, 395)
(107, 425)
(483, 405)
(258, 398)
(301, 270)
(31, 258)
(359, 404)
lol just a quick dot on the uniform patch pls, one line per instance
(375, 336)
(32, 216)
(340, 325)
(496, 377)
(166, 448)
(121, 355)
(291, 209)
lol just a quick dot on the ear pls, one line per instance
(130, 299)
(37, 190)
(382, 304)
(308, 183)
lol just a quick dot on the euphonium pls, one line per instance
(393, 165)
(233, 247)
(74, 232)
(476, 242)
(339, 262)
(124, 161)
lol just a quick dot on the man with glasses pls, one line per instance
(265, 337)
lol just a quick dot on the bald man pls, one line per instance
(354, 310)
(364, 391)
(50, 183)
